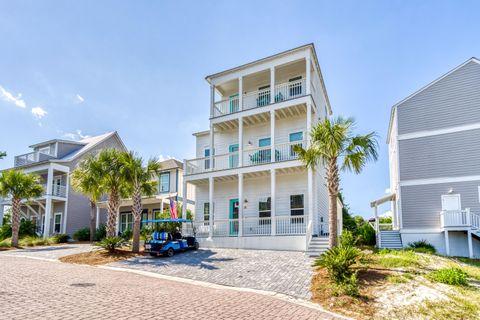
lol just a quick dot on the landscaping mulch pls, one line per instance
(99, 257)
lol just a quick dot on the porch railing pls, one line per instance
(254, 226)
(31, 157)
(57, 191)
(250, 157)
(459, 218)
(260, 98)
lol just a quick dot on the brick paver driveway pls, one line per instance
(38, 289)
(285, 272)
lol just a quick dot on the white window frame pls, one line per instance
(452, 195)
(264, 199)
(55, 222)
(42, 150)
(290, 204)
(125, 225)
(160, 182)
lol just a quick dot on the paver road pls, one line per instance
(37, 289)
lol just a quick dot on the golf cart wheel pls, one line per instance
(170, 252)
(196, 246)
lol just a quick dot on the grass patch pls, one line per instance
(451, 276)
(398, 259)
(99, 257)
(6, 243)
(396, 279)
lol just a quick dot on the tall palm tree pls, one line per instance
(18, 185)
(113, 183)
(140, 179)
(86, 179)
(334, 145)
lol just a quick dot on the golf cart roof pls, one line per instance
(166, 220)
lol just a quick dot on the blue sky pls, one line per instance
(69, 69)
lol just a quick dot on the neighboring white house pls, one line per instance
(170, 188)
(251, 191)
(64, 210)
(434, 152)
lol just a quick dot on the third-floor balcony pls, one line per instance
(260, 98)
(31, 158)
(250, 157)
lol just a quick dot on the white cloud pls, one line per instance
(39, 112)
(163, 158)
(388, 191)
(77, 135)
(79, 99)
(386, 214)
(9, 97)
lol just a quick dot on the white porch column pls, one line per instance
(310, 196)
(470, 247)
(240, 142)
(272, 136)
(273, 197)
(308, 76)
(117, 227)
(161, 206)
(240, 93)
(240, 204)
(65, 211)
(97, 220)
(2, 212)
(447, 243)
(212, 101)
(272, 85)
(184, 197)
(309, 123)
(211, 207)
(48, 205)
(212, 144)
(377, 227)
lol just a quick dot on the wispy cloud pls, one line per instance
(39, 112)
(77, 135)
(163, 158)
(9, 97)
(79, 99)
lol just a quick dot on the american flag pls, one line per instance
(173, 209)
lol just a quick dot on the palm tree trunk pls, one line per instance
(333, 181)
(113, 205)
(15, 221)
(93, 214)
(137, 215)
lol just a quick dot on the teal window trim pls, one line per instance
(264, 142)
(295, 136)
(164, 188)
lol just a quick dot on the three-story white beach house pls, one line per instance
(251, 190)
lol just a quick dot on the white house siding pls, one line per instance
(447, 155)
(421, 204)
(450, 102)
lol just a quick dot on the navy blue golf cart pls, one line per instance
(167, 243)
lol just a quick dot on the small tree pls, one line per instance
(18, 185)
(334, 145)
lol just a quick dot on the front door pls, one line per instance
(56, 185)
(233, 159)
(233, 217)
(451, 202)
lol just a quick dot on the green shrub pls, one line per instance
(146, 232)
(27, 228)
(452, 276)
(101, 232)
(6, 243)
(349, 286)
(127, 234)
(347, 239)
(60, 238)
(82, 234)
(366, 235)
(422, 246)
(31, 241)
(111, 243)
(337, 261)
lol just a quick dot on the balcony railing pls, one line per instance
(253, 226)
(459, 218)
(250, 157)
(57, 191)
(32, 157)
(260, 98)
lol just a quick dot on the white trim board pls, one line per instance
(419, 182)
(429, 133)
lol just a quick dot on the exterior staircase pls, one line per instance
(317, 246)
(390, 239)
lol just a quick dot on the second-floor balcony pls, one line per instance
(260, 98)
(249, 157)
(31, 158)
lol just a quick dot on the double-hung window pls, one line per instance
(57, 222)
(206, 154)
(206, 213)
(164, 182)
(126, 221)
(297, 208)
(265, 210)
(293, 137)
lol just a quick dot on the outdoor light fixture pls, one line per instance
(450, 191)
(250, 143)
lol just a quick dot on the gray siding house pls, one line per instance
(434, 153)
(63, 210)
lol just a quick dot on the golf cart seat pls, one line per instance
(161, 236)
(177, 236)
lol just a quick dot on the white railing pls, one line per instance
(251, 157)
(260, 98)
(225, 228)
(290, 225)
(459, 218)
(202, 228)
(255, 226)
(290, 90)
(32, 157)
(57, 191)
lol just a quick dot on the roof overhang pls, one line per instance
(388, 198)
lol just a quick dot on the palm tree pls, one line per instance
(334, 145)
(112, 183)
(3, 154)
(86, 179)
(140, 179)
(19, 185)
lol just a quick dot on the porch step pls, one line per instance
(317, 246)
(390, 239)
